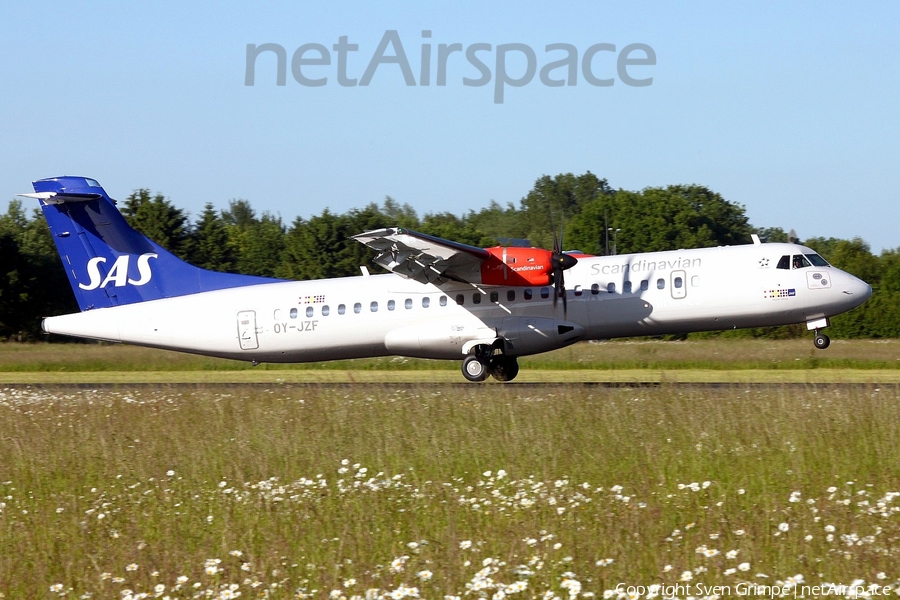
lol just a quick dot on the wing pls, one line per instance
(424, 258)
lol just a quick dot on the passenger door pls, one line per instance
(247, 330)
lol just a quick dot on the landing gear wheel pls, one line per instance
(475, 368)
(821, 341)
(504, 368)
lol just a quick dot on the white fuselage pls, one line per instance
(612, 296)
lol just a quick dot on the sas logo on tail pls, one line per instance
(118, 274)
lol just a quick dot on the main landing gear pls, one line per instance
(821, 341)
(476, 367)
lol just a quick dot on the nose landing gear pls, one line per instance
(821, 341)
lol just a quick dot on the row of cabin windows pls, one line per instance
(627, 288)
(373, 307)
(494, 297)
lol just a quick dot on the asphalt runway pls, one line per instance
(459, 386)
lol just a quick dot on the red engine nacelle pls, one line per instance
(517, 266)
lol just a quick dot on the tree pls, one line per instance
(263, 243)
(211, 248)
(771, 234)
(497, 222)
(256, 242)
(554, 200)
(401, 215)
(33, 283)
(655, 219)
(159, 220)
(459, 229)
(312, 246)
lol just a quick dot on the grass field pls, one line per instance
(628, 361)
(380, 491)
(390, 490)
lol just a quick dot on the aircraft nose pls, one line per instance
(856, 289)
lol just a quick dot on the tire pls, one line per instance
(504, 368)
(474, 368)
(821, 341)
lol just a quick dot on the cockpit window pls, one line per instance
(799, 262)
(817, 260)
(785, 262)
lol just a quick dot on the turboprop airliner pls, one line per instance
(441, 299)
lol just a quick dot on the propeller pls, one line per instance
(559, 262)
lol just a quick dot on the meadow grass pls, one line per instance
(385, 491)
(710, 354)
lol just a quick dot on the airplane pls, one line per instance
(441, 299)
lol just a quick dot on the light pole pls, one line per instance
(615, 233)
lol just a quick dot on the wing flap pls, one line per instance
(423, 258)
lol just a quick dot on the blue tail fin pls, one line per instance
(109, 263)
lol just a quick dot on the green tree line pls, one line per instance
(584, 208)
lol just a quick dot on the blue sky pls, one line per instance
(787, 108)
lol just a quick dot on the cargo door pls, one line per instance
(247, 330)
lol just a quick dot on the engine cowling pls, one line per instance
(532, 335)
(517, 266)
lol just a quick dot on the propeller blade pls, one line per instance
(559, 263)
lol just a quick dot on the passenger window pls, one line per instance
(443, 301)
(407, 304)
(800, 261)
(357, 308)
(645, 285)
(611, 287)
(325, 310)
(391, 304)
(426, 302)
(460, 299)
(660, 284)
(293, 313)
(309, 311)
(495, 297)
(578, 290)
(476, 298)
(511, 295)
(627, 288)
(373, 306)
(595, 289)
(528, 294)
(545, 292)
(341, 309)
(784, 262)
(678, 282)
